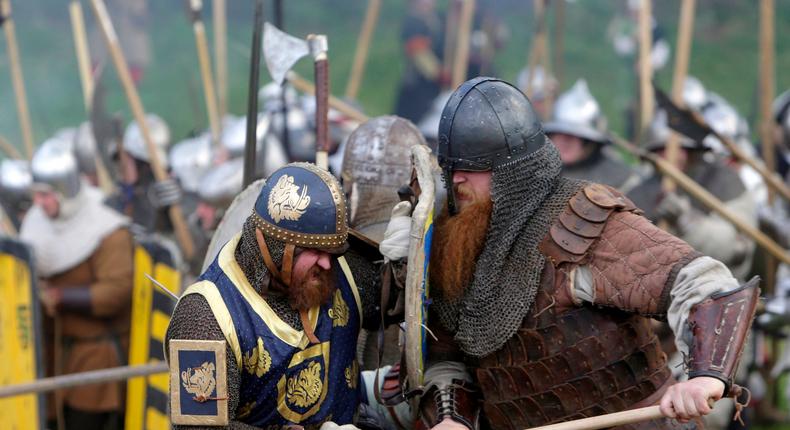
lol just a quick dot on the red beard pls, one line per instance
(457, 242)
(315, 288)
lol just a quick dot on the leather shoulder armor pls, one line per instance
(582, 222)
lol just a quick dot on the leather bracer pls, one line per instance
(719, 325)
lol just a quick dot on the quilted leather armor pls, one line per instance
(570, 361)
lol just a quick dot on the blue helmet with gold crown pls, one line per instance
(302, 206)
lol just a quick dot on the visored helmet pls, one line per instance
(486, 123)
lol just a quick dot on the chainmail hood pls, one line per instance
(527, 194)
(251, 262)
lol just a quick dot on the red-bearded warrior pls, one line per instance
(543, 287)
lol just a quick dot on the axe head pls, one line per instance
(281, 51)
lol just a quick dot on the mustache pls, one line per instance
(463, 191)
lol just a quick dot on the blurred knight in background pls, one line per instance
(689, 219)
(422, 36)
(130, 19)
(578, 130)
(84, 259)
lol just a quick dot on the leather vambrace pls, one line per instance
(719, 326)
(454, 397)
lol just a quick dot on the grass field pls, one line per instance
(724, 56)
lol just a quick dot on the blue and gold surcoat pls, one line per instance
(284, 378)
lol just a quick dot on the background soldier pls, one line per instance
(518, 257)
(690, 220)
(83, 256)
(376, 164)
(215, 193)
(578, 130)
(140, 196)
(422, 80)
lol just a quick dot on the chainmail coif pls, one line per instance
(528, 195)
(251, 262)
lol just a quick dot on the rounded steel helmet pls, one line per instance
(134, 144)
(781, 109)
(221, 184)
(487, 123)
(376, 163)
(85, 148)
(15, 179)
(694, 94)
(577, 113)
(725, 120)
(270, 96)
(55, 166)
(303, 205)
(190, 160)
(657, 134)
(544, 85)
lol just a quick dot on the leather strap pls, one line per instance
(267, 257)
(288, 264)
(308, 330)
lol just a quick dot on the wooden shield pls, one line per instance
(146, 396)
(20, 336)
(417, 275)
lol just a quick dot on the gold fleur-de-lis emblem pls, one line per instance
(258, 360)
(352, 375)
(339, 311)
(199, 381)
(285, 200)
(304, 389)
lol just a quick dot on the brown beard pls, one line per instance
(314, 289)
(457, 242)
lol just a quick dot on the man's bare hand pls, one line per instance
(50, 299)
(689, 399)
(449, 424)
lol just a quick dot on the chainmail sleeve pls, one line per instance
(193, 320)
(367, 276)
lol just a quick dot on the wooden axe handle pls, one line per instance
(136, 106)
(322, 111)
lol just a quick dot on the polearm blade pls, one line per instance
(17, 78)
(252, 97)
(281, 51)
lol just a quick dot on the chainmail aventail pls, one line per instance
(527, 196)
